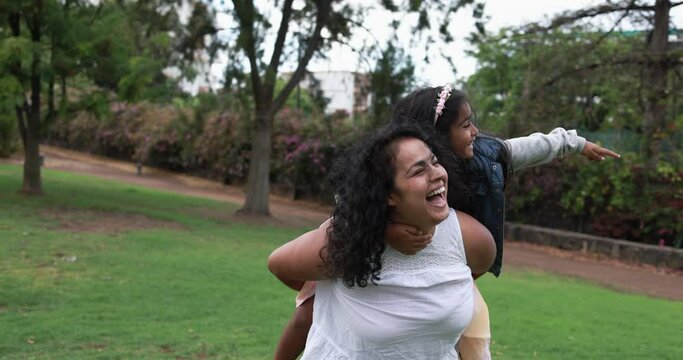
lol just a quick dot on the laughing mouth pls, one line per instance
(438, 191)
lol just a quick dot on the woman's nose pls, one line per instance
(475, 130)
(439, 173)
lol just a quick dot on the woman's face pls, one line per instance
(420, 185)
(463, 132)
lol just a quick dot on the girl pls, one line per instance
(490, 163)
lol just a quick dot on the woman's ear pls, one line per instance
(392, 200)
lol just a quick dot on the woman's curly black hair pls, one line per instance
(362, 179)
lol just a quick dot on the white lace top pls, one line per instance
(417, 310)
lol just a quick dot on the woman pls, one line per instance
(490, 164)
(378, 303)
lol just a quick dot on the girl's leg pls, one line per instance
(293, 340)
(474, 344)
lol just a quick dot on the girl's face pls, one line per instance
(420, 186)
(463, 132)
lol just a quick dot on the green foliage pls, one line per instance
(8, 136)
(10, 97)
(14, 50)
(574, 78)
(142, 73)
(393, 77)
(111, 45)
(310, 103)
(618, 199)
(563, 78)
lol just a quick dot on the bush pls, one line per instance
(223, 147)
(618, 199)
(8, 136)
(11, 95)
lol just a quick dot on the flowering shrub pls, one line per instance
(304, 165)
(304, 148)
(612, 198)
(223, 147)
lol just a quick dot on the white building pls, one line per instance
(345, 90)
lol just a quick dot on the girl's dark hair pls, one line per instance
(362, 179)
(418, 108)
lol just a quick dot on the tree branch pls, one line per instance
(672, 57)
(596, 65)
(96, 15)
(573, 16)
(245, 14)
(313, 44)
(271, 72)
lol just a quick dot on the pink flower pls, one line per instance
(441, 101)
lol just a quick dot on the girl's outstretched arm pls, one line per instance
(301, 259)
(538, 148)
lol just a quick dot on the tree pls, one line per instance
(393, 76)
(263, 77)
(115, 46)
(523, 80)
(25, 67)
(657, 59)
(317, 24)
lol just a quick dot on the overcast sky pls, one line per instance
(501, 13)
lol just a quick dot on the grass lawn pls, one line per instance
(192, 284)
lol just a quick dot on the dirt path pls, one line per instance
(286, 212)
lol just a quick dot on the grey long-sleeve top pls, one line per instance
(538, 148)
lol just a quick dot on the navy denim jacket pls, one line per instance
(491, 166)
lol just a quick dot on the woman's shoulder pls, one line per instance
(478, 241)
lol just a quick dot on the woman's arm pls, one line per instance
(300, 259)
(480, 248)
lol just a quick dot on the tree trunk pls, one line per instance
(32, 184)
(258, 180)
(51, 110)
(32, 180)
(62, 99)
(656, 72)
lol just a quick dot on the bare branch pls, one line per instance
(245, 13)
(271, 72)
(604, 36)
(574, 16)
(671, 57)
(312, 45)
